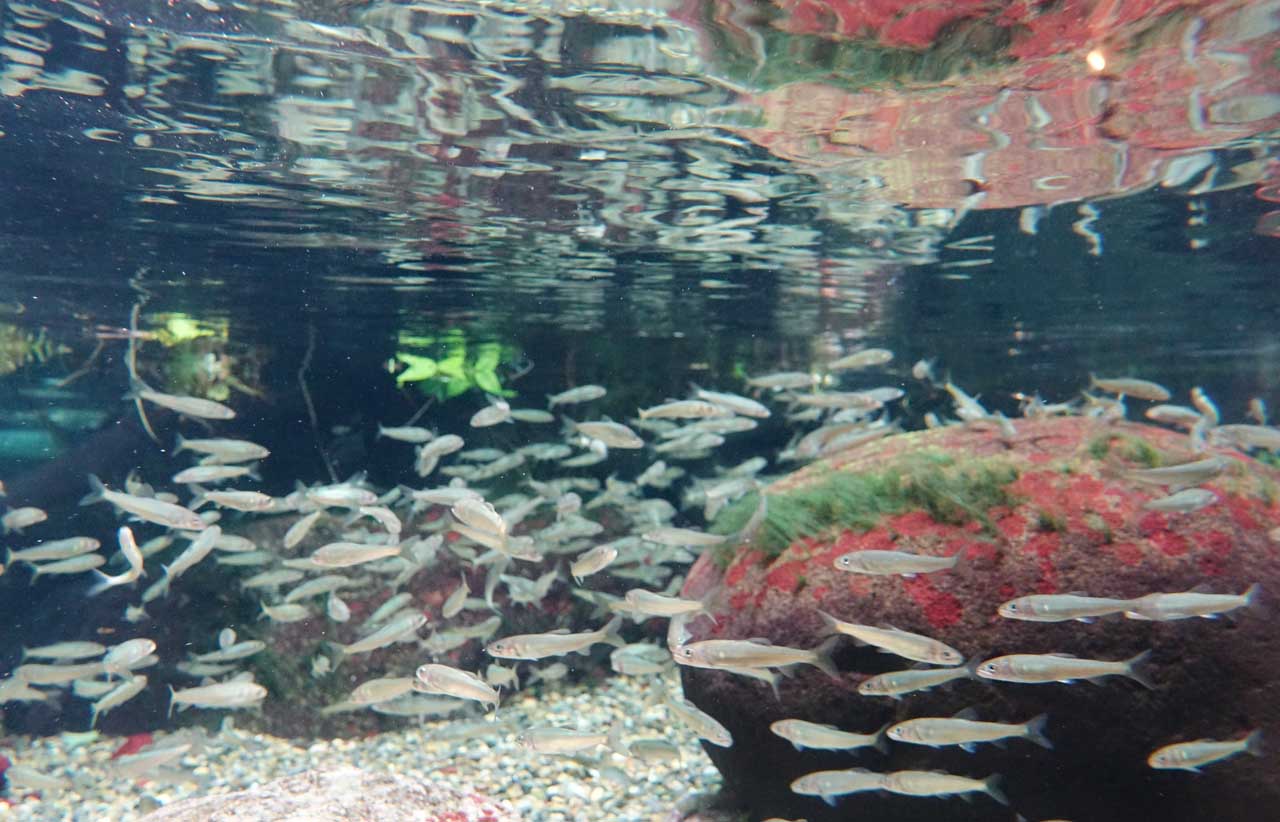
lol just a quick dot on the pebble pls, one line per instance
(543, 788)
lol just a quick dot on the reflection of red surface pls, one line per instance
(1046, 128)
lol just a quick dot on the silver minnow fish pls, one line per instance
(830, 784)
(346, 554)
(593, 561)
(187, 406)
(745, 406)
(893, 641)
(540, 646)
(568, 740)
(393, 631)
(1166, 607)
(703, 724)
(816, 736)
(934, 783)
(965, 731)
(20, 518)
(895, 684)
(1184, 501)
(1037, 668)
(894, 562)
(221, 695)
(721, 654)
(223, 450)
(146, 508)
(684, 410)
(612, 434)
(583, 393)
(1061, 607)
(433, 678)
(1186, 474)
(1192, 756)
(1138, 389)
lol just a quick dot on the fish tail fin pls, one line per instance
(615, 741)
(609, 633)
(829, 622)
(1253, 743)
(822, 657)
(93, 715)
(102, 583)
(956, 559)
(97, 491)
(179, 444)
(171, 703)
(1135, 669)
(882, 738)
(992, 786)
(1251, 595)
(972, 666)
(1035, 731)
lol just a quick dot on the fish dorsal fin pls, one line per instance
(1063, 653)
(1077, 593)
(969, 713)
(760, 640)
(1201, 588)
(559, 631)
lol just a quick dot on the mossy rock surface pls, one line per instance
(1052, 510)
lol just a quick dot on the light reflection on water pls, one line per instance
(670, 170)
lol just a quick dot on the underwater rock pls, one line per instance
(340, 795)
(1056, 508)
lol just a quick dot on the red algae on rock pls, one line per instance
(1052, 510)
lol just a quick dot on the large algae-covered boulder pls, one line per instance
(1056, 508)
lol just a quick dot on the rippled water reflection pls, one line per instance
(785, 171)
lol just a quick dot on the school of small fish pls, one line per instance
(385, 541)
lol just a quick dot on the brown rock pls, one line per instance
(340, 795)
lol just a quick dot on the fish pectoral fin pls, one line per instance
(968, 747)
(966, 713)
(830, 800)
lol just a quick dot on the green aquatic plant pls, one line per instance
(450, 365)
(948, 490)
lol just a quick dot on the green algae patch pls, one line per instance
(950, 491)
(1131, 449)
(1139, 451)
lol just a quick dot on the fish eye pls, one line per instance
(1012, 606)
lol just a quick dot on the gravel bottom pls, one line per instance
(543, 788)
